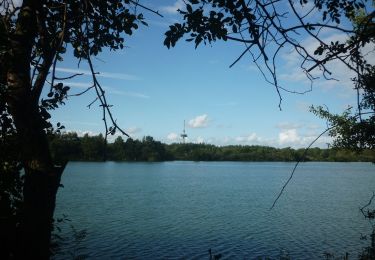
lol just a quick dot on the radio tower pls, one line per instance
(183, 135)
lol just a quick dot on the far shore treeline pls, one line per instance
(69, 146)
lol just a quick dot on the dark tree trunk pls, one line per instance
(39, 204)
(42, 178)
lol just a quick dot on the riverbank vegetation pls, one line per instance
(70, 146)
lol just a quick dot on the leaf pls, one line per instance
(234, 28)
(198, 40)
(167, 42)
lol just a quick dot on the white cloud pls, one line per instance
(199, 121)
(122, 76)
(199, 140)
(81, 133)
(83, 85)
(133, 130)
(251, 138)
(172, 9)
(173, 137)
(289, 136)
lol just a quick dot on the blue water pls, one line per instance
(178, 210)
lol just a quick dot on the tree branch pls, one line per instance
(296, 165)
(145, 7)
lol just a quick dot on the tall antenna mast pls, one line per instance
(183, 135)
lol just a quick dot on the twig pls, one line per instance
(296, 165)
(81, 93)
(69, 77)
(146, 8)
(242, 54)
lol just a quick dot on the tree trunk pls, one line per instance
(42, 178)
(40, 190)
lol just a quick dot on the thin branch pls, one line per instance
(240, 40)
(242, 54)
(296, 165)
(146, 8)
(92, 102)
(81, 93)
(321, 25)
(100, 93)
(69, 77)
(49, 56)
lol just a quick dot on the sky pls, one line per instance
(154, 89)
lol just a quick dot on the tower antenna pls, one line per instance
(183, 135)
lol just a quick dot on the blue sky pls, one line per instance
(154, 90)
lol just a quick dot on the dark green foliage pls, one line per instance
(117, 150)
(210, 20)
(350, 130)
(66, 146)
(92, 148)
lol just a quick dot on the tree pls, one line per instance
(355, 129)
(267, 27)
(118, 149)
(93, 148)
(34, 36)
(65, 147)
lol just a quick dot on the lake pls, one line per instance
(179, 210)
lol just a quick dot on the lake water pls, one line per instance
(179, 210)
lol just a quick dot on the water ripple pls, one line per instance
(180, 210)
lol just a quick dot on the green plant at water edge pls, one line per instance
(74, 240)
(368, 212)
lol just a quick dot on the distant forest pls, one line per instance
(69, 146)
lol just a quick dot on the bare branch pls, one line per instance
(69, 77)
(146, 8)
(100, 94)
(81, 93)
(242, 54)
(296, 165)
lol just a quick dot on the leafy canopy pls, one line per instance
(268, 27)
